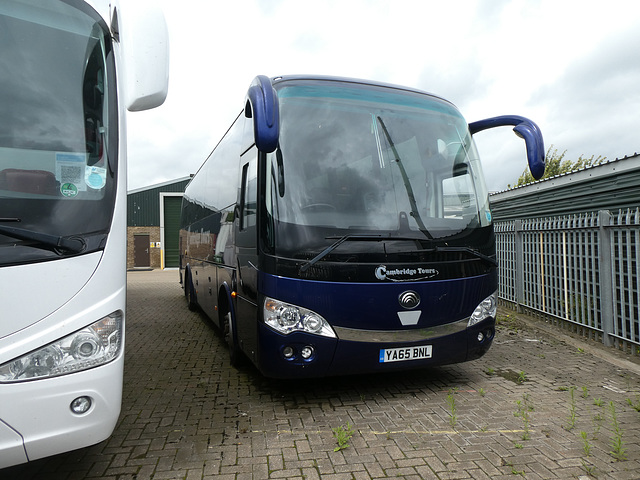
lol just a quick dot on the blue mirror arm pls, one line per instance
(264, 110)
(525, 129)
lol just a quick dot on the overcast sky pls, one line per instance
(573, 67)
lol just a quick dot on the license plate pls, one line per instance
(405, 353)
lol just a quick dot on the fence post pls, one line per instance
(519, 270)
(605, 276)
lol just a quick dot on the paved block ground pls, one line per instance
(539, 405)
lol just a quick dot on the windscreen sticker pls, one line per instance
(69, 190)
(95, 177)
(70, 172)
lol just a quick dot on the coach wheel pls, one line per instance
(189, 293)
(230, 337)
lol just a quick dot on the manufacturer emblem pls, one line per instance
(409, 299)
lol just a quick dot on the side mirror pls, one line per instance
(525, 129)
(262, 106)
(144, 42)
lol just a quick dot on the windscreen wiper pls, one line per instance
(475, 253)
(45, 241)
(415, 213)
(379, 238)
(341, 240)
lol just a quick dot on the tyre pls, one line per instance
(189, 294)
(230, 337)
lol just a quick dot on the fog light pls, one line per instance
(288, 352)
(480, 336)
(307, 352)
(81, 405)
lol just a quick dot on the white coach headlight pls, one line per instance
(95, 345)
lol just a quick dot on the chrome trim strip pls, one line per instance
(408, 335)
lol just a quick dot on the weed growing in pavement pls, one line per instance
(598, 417)
(597, 424)
(451, 401)
(635, 405)
(507, 321)
(522, 377)
(590, 469)
(516, 472)
(572, 409)
(526, 398)
(490, 371)
(585, 392)
(618, 451)
(513, 468)
(524, 407)
(342, 434)
(586, 446)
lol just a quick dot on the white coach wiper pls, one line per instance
(73, 244)
(341, 240)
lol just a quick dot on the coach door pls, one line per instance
(247, 254)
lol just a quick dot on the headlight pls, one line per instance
(286, 318)
(486, 309)
(97, 344)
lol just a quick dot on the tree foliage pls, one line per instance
(556, 164)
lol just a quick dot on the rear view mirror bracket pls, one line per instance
(525, 129)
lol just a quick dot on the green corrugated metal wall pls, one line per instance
(143, 206)
(611, 186)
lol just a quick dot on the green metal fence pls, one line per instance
(577, 271)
